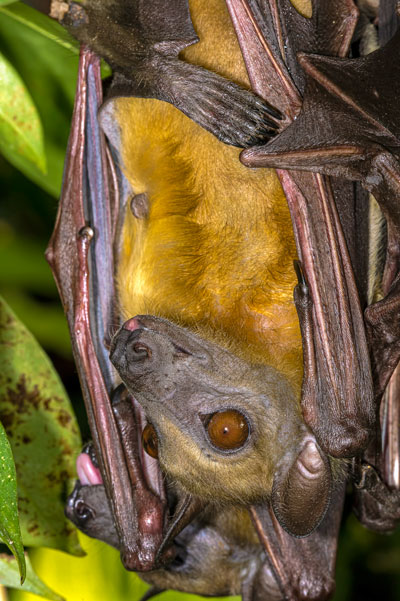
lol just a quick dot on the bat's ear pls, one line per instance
(301, 491)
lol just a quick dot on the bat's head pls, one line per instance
(88, 506)
(202, 557)
(225, 429)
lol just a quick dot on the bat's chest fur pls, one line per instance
(213, 249)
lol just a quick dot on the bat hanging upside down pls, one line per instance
(231, 482)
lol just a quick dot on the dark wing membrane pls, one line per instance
(337, 395)
(82, 258)
(304, 568)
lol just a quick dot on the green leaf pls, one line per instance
(46, 321)
(25, 275)
(42, 24)
(21, 134)
(45, 57)
(9, 576)
(5, 2)
(97, 576)
(42, 430)
(10, 532)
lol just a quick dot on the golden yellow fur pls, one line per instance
(216, 251)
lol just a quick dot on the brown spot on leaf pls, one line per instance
(31, 529)
(56, 478)
(66, 448)
(25, 400)
(7, 419)
(63, 418)
(68, 529)
(6, 323)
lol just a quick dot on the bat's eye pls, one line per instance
(150, 442)
(228, 430)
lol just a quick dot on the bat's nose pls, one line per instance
(132, 347)
(137, 343)
(131, 324)
(76, 509)
(139, 352)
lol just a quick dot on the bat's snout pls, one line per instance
(76, 509)
(87, 506)
(128, 349)
(133, 346)
(145, 345)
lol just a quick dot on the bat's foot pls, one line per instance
(147, 69)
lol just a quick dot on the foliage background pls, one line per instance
(46, 60)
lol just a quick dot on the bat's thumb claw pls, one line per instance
(301, 494)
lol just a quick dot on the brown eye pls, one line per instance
(228, 429)
(150, 442)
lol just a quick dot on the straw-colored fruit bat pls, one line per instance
(219, 463)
